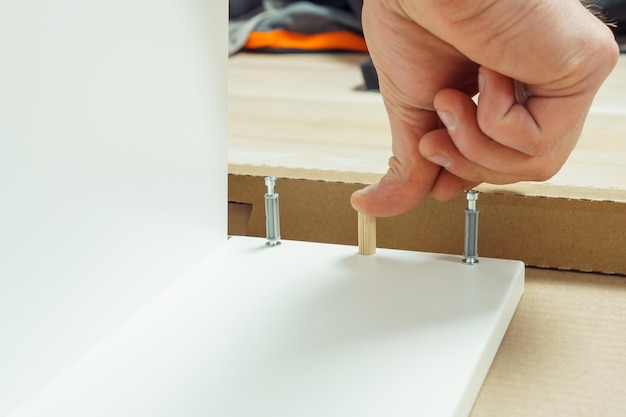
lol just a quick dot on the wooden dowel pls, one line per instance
(367, 234)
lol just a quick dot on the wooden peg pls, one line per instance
(367, 234)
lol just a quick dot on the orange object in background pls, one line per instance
(342, 40)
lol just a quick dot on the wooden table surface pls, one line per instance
(286, 110)
(563, 354)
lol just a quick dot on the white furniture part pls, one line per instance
(119, 292)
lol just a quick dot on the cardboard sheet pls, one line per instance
(571, 234)
(563, 352)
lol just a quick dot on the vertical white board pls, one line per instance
(301, 329)
(112, 169)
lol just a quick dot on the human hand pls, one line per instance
(539, 64)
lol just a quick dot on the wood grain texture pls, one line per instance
(309, 112)
(367, 234)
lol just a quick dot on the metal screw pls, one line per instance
(272, 213)
(270, 182)
(472, 196)
(470, 250)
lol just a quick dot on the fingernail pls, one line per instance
(481, 82)
(448, 119)
(439, 160)
(369, 189)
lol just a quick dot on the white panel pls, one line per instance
(302, 329)
(112, 168)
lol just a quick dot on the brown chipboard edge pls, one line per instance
(547, 232)
(238, 218)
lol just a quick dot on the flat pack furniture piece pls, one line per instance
(120, 293)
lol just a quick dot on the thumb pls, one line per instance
(410, 177)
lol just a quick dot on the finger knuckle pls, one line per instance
(537, 147)
(486, 122)
(473, 154)
(469, 172)
(462, 11)
(544, 172)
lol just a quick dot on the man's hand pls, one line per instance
(538, 64)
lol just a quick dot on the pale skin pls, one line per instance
(537, 63)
